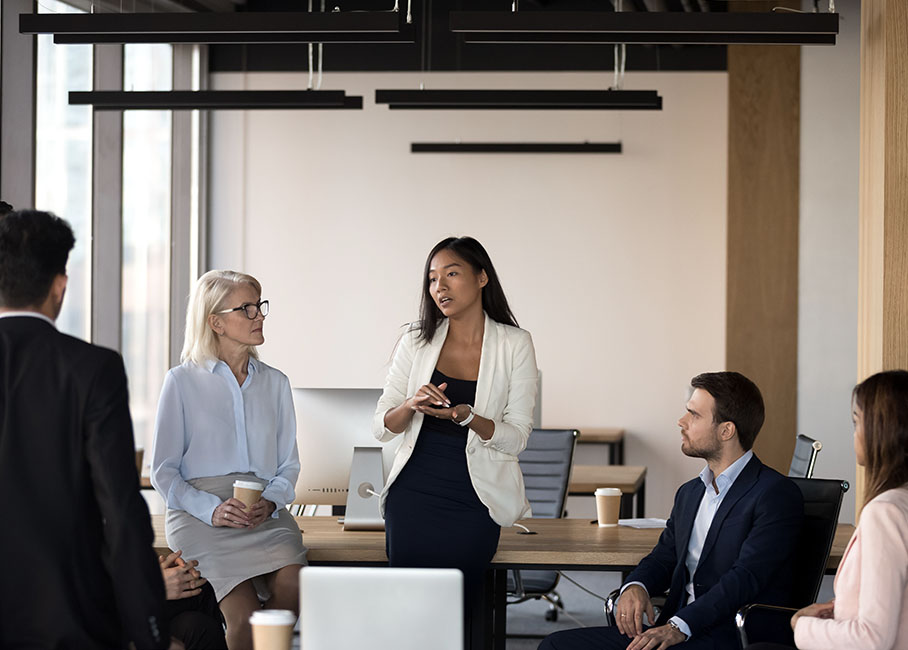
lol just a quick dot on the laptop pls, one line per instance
(381, 608)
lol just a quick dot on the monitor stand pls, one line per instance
(366, 477)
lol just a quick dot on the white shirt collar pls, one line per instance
(32, 314)
(211, 364)
(728, 477)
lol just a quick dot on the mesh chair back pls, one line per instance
(822, 500)
(546, 467)
(805, 457)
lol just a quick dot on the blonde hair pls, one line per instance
(208, 296)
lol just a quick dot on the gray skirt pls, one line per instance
(229, 556)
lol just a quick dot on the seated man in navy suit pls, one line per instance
(729, 540)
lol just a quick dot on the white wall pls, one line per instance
(828, 293)
(616, 264)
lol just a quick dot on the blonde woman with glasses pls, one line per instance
(223, 416)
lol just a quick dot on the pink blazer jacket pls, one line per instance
(871, 585)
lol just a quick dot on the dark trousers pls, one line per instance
(197, 621)
(609, 638)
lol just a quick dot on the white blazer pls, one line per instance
(505, 394)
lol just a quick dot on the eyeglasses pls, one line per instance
(251, 309)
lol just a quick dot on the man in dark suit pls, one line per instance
(79, 569)
(729, 540)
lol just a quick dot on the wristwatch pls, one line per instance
(467, 419)
(674, 626)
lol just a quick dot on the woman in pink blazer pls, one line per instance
(870, 611)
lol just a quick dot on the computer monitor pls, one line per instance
(330, 422)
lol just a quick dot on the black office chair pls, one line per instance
(822, 501)
(546, 467)
(805, 457)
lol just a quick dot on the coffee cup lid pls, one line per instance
(249, 485)
(272, 617)
(607, 492)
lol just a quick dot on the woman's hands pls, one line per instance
(233, 513)
(817, 610)
(260, 511)
(430, 396)
(181, 578)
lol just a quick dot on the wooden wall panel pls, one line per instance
(883, 282)
(763, 195)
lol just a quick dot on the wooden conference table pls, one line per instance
(573, 544)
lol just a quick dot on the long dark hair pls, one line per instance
(494, 302)
(883, 398)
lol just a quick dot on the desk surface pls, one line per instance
(562, 543)
(586, 478)
(606, 435)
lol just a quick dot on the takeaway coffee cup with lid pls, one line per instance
(249, 492)
(272, 629)
(608, 503)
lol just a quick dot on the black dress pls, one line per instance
(433, 517)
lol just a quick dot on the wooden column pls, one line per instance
(883, 261)
(763, 194)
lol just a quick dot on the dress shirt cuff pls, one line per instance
(684, 627)
(632, 583)
(199, 504)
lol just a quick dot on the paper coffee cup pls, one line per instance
(608, 503)
(272, 629)
(249, 492)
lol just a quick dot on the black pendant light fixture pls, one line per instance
(121, 100)
(520, 99)
(790, 28)
(516, 147)
(215, 27)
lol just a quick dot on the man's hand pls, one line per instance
(818, 610)
(181, 579)
(260, 511)
(657, 638)
(176, 644)
(632, 604)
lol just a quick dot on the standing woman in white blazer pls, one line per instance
(461, 391)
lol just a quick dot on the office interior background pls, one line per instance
(617, 264)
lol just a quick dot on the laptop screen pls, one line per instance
(381, 608)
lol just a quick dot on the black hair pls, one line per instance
(494, 302)
(5, 208)
(34, 248)
(738, 400)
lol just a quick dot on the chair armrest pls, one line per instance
(609, 607)
(783, 613)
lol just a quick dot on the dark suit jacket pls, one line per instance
(78, 567)
(746, 557)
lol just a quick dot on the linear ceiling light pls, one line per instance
(645, 27)
(405, 35)
(515, 147)
(118, 100)
(350, 26)
(521, 99)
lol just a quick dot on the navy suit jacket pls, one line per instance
(746, 557)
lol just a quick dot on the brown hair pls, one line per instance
(883, 398)
(738, 400)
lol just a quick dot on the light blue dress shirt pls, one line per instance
(709, 505)
(209, 425)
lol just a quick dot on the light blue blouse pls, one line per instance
(209, 425)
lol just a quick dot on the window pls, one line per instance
(63, 160)
(145, 321)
